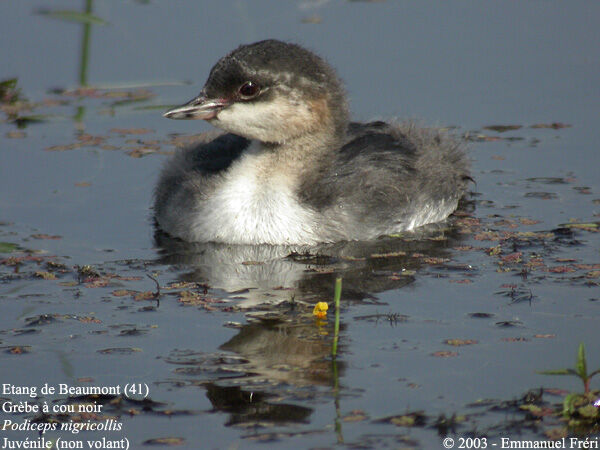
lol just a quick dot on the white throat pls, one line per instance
(254, 204)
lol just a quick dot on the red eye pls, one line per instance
(249, 89)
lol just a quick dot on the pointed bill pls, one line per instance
(199, 108)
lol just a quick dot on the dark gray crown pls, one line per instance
(269, 62)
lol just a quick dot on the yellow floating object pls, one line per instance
(320, 310)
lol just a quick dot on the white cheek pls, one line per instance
(273, 121)
(245, 115)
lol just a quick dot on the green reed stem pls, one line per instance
(336, 300)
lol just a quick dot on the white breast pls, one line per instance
(252, 206)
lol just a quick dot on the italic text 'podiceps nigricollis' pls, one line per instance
(291, 168)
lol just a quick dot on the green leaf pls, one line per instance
(73, 16)
(9, 92)
(588, 412)
(581, 365)
(595, 372)
(558, 372)
(531, 408)
(8, 247)
(584, 226)
(5, 85)
(569, 404)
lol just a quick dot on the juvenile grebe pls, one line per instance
(291, 168)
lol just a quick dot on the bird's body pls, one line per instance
(293, 169)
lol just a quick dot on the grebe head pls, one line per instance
(271, 91)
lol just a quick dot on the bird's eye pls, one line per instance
(249, 89)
